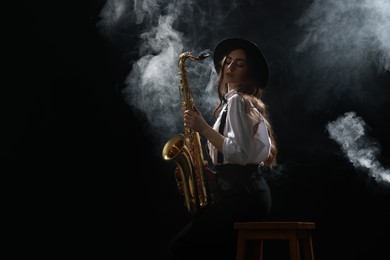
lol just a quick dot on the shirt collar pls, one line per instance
(230, 94)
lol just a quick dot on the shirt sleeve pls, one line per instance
(238, 133)
(242, 145)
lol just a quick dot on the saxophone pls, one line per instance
(185, 149)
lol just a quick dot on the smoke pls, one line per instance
(349, 131)
(164, 29)
(153, 83)
(118, 16)
(343, 45)
(340, 48)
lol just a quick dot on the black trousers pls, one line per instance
(243, 195)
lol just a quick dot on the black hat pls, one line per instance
(260, 64)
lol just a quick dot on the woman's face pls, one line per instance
(235, 68)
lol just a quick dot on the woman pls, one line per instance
(240, 143)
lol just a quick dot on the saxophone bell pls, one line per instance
(176, 150)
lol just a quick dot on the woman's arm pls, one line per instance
(195, 121)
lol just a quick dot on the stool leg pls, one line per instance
(256, 249)
(261, 250)
(240, 254)
(308, 248)
(294, 249)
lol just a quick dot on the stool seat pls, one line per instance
(294, 232)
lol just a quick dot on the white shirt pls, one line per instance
(241, 146)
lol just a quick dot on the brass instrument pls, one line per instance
(185, 149)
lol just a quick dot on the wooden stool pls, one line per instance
(292, 231)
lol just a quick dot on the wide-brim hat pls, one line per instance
(252, 50)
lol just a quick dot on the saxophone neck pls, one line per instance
(187, 55)
(184, 86)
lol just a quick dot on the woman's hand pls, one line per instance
(194, 120)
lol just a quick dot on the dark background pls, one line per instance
(92, 185)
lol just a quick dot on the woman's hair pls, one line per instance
(251, 93)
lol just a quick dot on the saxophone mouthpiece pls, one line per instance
(204, 55)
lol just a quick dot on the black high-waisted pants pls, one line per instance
(242, 195)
